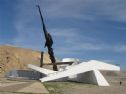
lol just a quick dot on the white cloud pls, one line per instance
(64, 32)
(86, 47)
(30, 35)
(77, 9)
(79, 47)
(114, 10)
(120, 48)
(89, 46)
(86, 9)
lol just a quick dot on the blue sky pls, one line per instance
(84, 29)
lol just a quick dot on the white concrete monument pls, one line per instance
(88, 72)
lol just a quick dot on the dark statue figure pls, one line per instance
(48, 43)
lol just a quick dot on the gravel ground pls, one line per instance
(80, 88)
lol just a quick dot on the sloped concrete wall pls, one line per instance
(26, 74)
(87, 77)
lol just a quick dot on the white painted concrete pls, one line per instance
(41, 70)
(82, 72)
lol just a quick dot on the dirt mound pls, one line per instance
(18, 58)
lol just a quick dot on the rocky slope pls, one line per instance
(18, 58)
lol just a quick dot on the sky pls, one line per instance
(84, 29)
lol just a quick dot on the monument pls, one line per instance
(49, 42)
(88, 72)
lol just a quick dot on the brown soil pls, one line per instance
(19, 58)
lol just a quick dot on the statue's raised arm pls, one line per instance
(49, 42)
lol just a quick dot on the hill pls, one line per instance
(18, 58)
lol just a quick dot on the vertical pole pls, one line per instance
(41, 63)
(41, 60)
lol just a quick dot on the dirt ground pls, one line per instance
(8, 86)
(21, 87)
(81, 88)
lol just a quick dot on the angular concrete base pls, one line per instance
(88, 72)
(91, 77)
(100, 80)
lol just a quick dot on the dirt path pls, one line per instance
(25, 87)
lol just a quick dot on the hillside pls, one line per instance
(18, 58)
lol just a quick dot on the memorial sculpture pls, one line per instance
(49, 42)
(88, 72)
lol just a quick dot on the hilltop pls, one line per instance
(18, 58)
